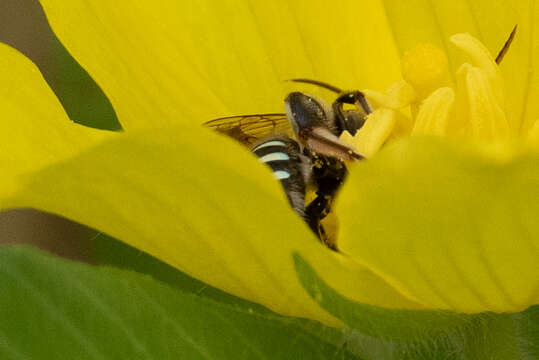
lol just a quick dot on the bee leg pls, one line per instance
(294, 169)
(350, 120)
(328, 174)
(315, 212)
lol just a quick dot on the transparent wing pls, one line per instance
(247, 129)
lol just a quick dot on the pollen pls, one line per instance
(429, 101)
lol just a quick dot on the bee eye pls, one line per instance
(305, 111)
(315, 157)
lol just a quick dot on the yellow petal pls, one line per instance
(176, 61)
(447, 225)
(220, 234)
(533, 135)
(35, 130)
(215, 215)
(519, 69)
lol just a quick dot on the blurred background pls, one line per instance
(24, 26)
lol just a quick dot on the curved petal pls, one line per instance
(447, 224)
(489, 21)
(211, 214)
(176, 61)
(35, 130)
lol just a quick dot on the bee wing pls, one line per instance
(247, 129)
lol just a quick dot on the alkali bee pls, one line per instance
(302, 146)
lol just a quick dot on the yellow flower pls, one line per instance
(425, 224)
(474, 110)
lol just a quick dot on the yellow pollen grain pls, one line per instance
(425, 68)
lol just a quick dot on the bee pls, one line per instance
(303, 148)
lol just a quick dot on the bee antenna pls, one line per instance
(505, 47)
(318, 83)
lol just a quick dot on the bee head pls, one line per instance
(314, 125)
(306, 112)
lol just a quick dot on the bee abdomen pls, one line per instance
(282, 155)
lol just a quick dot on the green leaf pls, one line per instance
(425, 334)
(112, 252)
(52, 308)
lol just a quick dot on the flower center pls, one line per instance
(429, 102)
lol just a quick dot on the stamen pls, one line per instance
(480, 57)
(374, 133)
(473, 106)
(433, 116)
(487, 119)
(397, 96)
(403, 126)
(460, 125)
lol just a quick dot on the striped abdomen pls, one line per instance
(282, 155)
